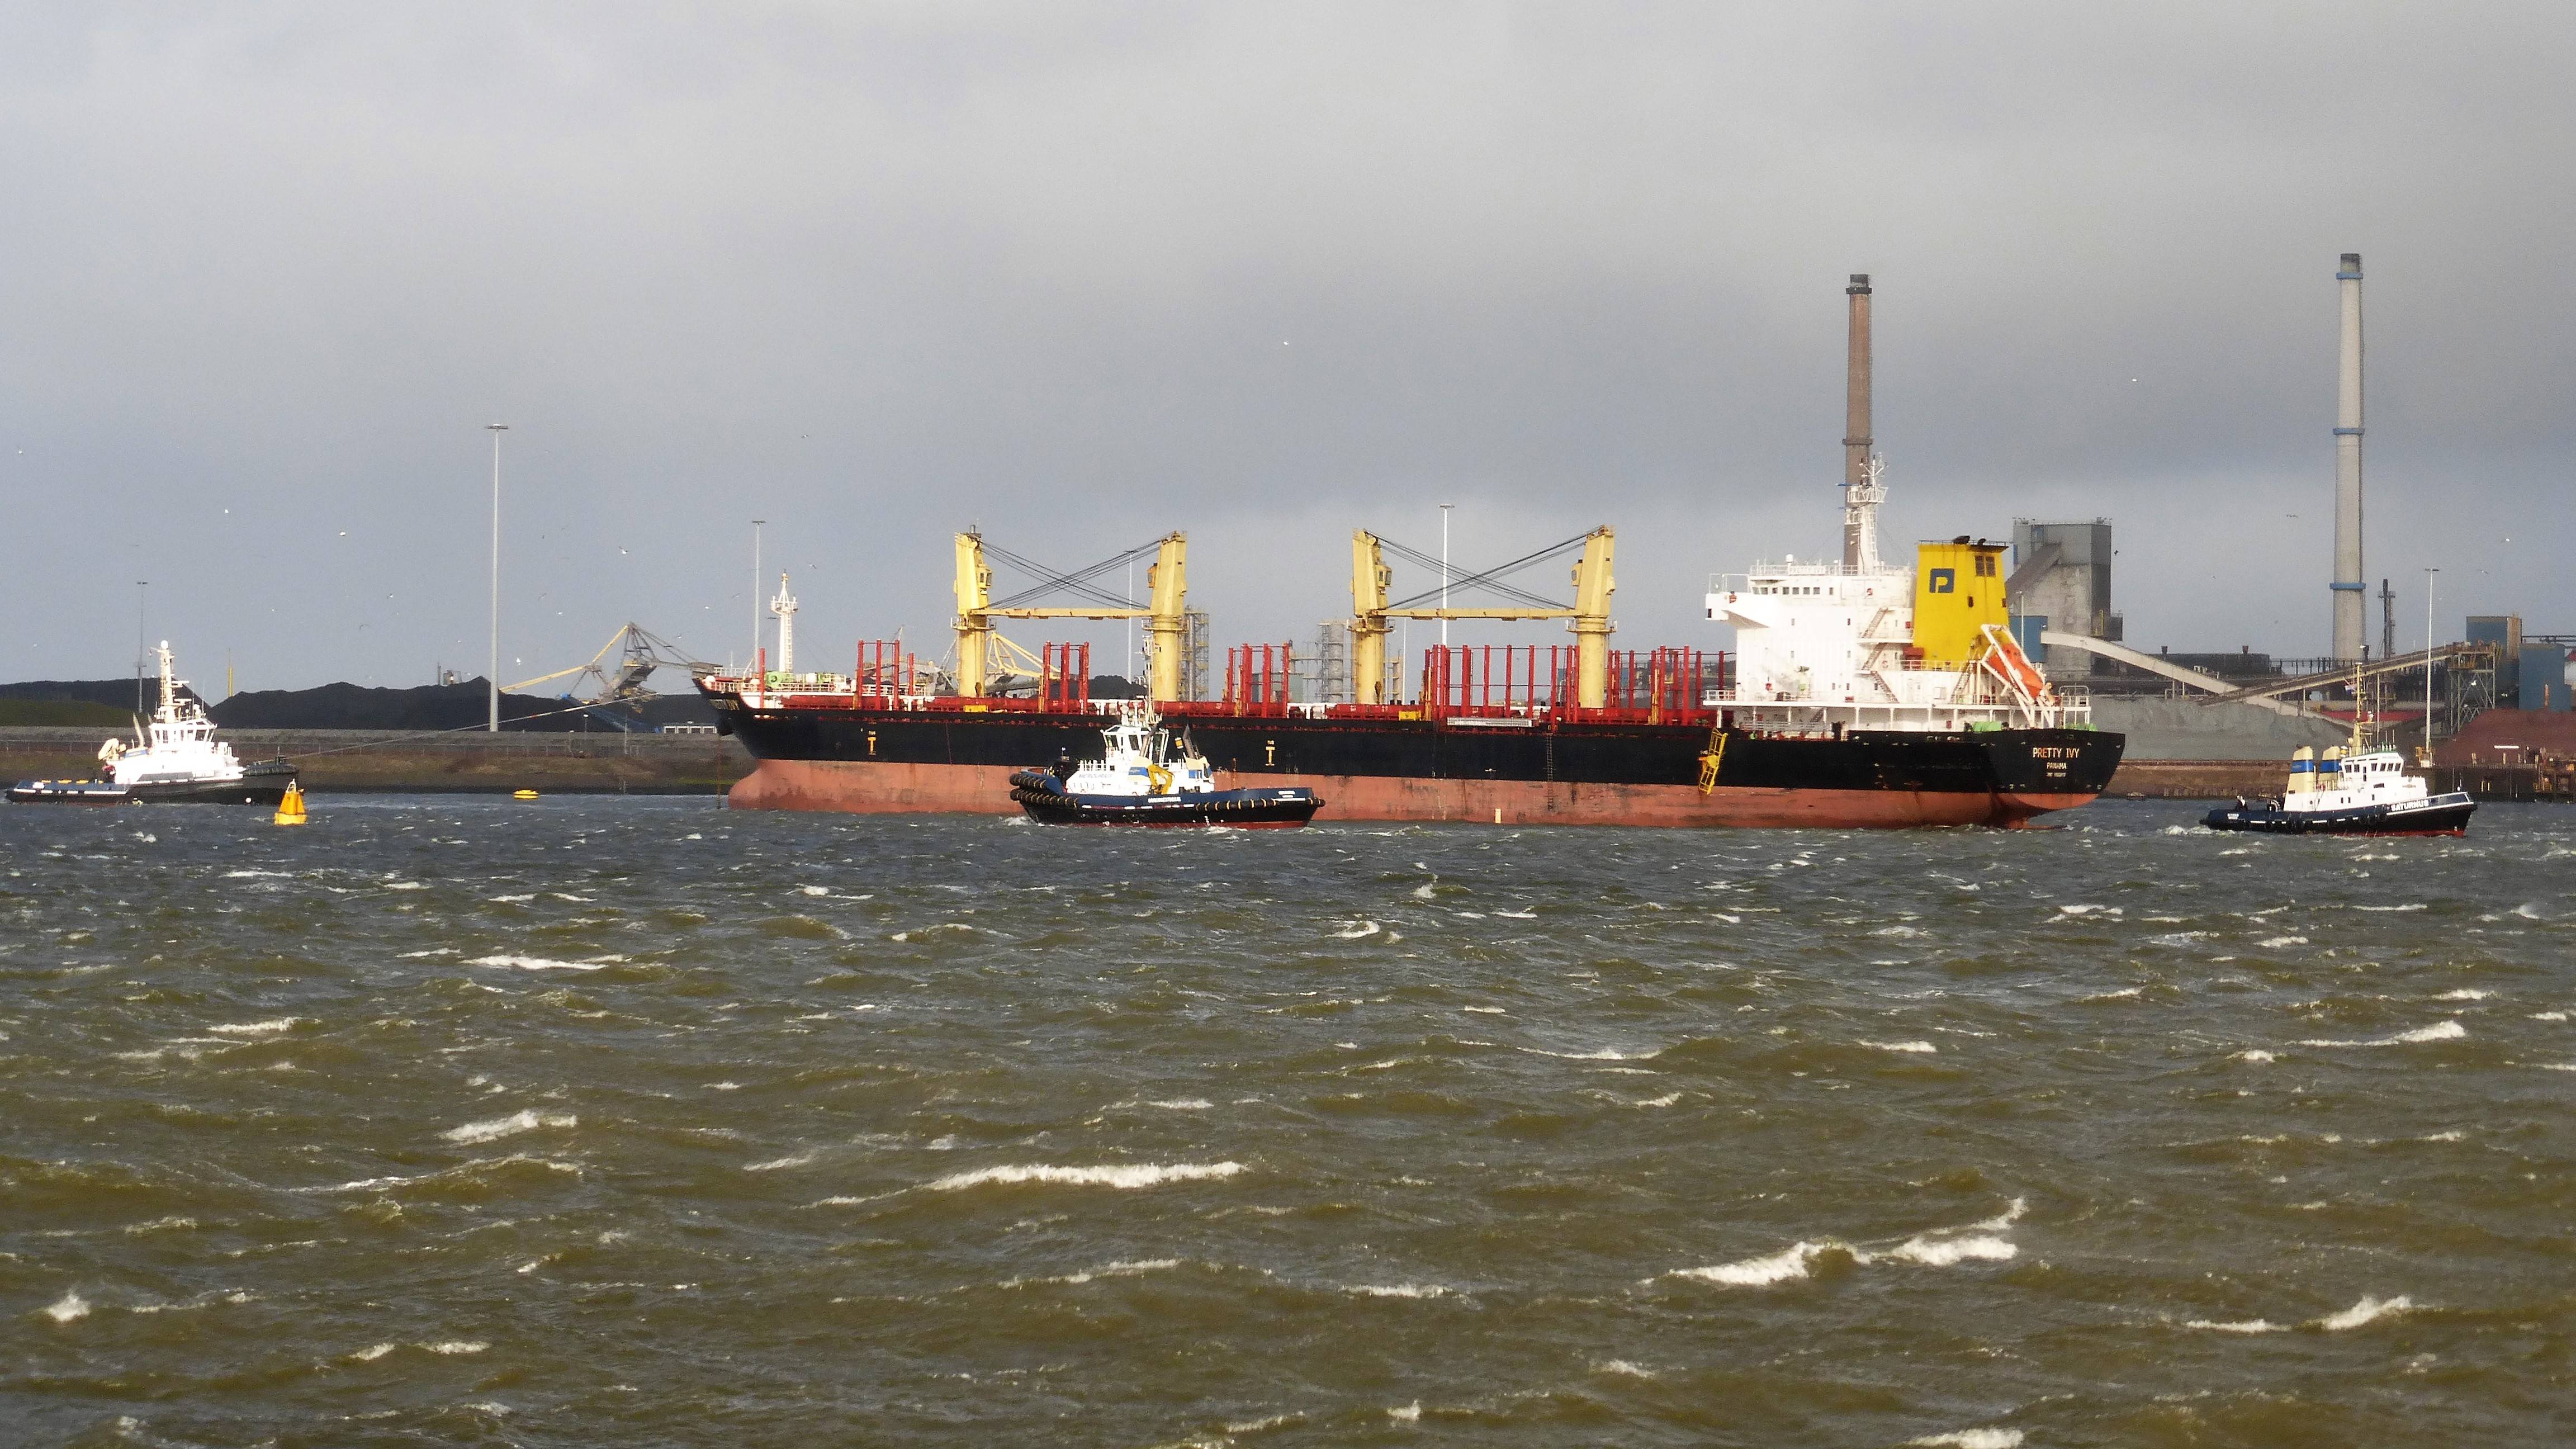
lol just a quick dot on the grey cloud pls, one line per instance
(1264, 273)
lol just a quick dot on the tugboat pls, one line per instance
(175, 759)
(2351, 792)
(1145, 777)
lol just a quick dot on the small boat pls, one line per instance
(1145, 777)
(2351, 792)
(175, 759)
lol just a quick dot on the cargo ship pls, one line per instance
(1861, 693)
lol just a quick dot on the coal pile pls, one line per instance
(423, 707)
(81, 703)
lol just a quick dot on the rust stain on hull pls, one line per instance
(889, 788)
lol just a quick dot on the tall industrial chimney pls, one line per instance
(1856, 439)
(2348, 587)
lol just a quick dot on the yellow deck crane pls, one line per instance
(1590, 614)
(977, 638)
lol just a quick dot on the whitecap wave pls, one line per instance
(2368, 1310)
(2465, 993)
(1971, 1439)
(537, 963)
(70, 1308)
(1902, 1046)
(1125, 1175)
(2438, 1031)
(271, 1027)
(495, 1128)
(1605, 1054)
(1794, 1261)
(774, 1164)
(1354, 930)
(2246, 1325)
(1398, 1290)
(1942, 1252)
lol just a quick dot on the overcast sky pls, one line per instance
(1264, 273)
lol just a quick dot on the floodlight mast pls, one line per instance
(492, 670)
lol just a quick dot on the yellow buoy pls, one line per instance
(290, 806)
(523, 794)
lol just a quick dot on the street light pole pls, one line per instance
(754, 663)
(1444, 574)
(2428, 662)
(492, 670)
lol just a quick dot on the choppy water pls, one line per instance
(632, 1121)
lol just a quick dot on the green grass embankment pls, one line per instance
(465, 762)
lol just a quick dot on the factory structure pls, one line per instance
(2495, 694)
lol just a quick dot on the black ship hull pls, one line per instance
(1521, 770)
(1047, 802)
(264, 783)
(2440, 815)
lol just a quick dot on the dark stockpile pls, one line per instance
(458, 706)
(76, 702)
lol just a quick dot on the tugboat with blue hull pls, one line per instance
(175, 759)
(1145, 777)
(2351, 792)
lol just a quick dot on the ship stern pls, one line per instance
(2040, 771)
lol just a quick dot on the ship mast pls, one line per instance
(784, 606)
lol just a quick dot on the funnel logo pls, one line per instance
(1943, 581)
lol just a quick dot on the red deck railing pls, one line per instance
(1064, 676)
(1653, 686)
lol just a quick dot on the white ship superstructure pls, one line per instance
(174, 757)
(1140, 758)
(176, 746)
(1826, 648)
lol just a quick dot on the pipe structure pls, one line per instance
(1856, 438)
(2347, 585)
(1369, 628)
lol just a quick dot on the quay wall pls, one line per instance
(2183, 730)
(466, 762)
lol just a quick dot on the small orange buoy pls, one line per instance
(290, 806)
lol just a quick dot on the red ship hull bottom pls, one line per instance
(891, 788)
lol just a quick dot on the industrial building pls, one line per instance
(2061, 580)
